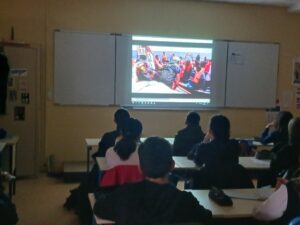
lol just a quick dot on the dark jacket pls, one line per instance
(273, 137)
(108, 140)
(216, 153)
(146, 203)
(186, 139)
(286, 159)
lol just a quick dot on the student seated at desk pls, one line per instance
(280, 133)
(189, 136)
(154, 200)
(216, 148)
(125, 150)
(220, 155)
(283, 205)
(287, 159)
(109, 139)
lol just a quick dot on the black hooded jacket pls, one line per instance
(146, 203)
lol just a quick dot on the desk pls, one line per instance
(90, 144)
(11, 143)
(250, 163)
(92, 201)
(241, 208)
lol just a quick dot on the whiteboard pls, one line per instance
(251, 75)
(84, 68)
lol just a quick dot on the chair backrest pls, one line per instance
(295, 221)
(120, 175)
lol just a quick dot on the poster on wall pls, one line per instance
(297, 98)
(296, 72)
(18, 72)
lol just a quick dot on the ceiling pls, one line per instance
(291, 5)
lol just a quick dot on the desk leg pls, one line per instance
(88, 159)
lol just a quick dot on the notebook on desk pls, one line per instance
(260, 194)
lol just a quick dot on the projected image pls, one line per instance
(171, 69)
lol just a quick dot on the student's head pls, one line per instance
(192, 119)
(121, 116)
(220, 127)
(155, 156)
(294, 131)
(131, 133)
(282, 120)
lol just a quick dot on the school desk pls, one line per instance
(250, 163)
(242, 205)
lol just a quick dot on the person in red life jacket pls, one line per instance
(164, 58)
(198, 77)
(207, 70)
(157, 63)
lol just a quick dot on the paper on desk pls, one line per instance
(257, 194)
(266, 162)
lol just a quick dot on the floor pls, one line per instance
(40, 200)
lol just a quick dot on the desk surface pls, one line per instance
(10, 140)
(248, 162)
(93, 142)
(241, 208)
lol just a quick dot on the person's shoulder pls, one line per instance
(111, 133)
(133, 188)
(182, 131)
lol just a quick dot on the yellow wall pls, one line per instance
(66, 127)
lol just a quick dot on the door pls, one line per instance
(21, 118)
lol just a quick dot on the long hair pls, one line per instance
(131, 133)
(282, 120)
(294, 132)
(220, 126)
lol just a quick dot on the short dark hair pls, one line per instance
(155, 156)
(121, 116)
(220, 126)
(192, 118)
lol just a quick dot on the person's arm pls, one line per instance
(200, 154)
(105, 206)
(267, 137)
(176, 145)
(281, 160)
(274, 207)
(191, 210)
(191, 154)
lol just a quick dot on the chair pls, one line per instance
(295, 221)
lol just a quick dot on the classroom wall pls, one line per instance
(66, 127)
